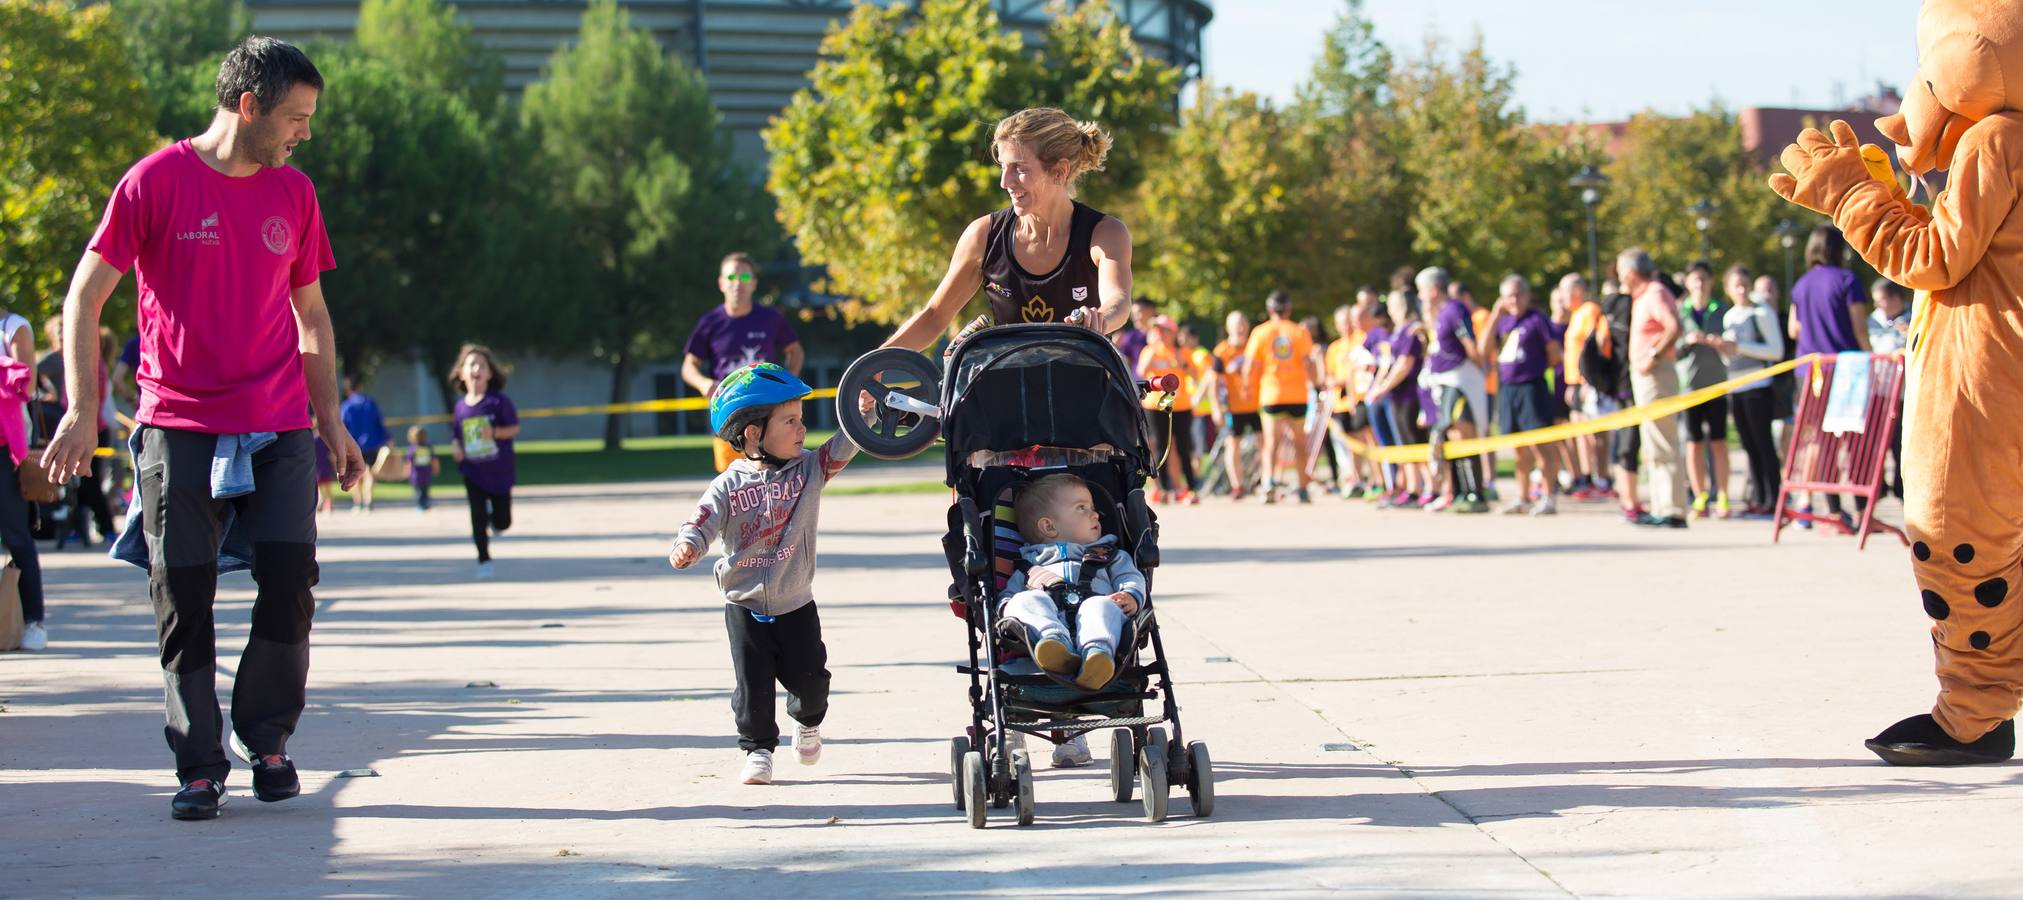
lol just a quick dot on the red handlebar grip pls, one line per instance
(1168, 383)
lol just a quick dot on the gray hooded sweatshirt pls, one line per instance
(1066, 560)
(767, 519)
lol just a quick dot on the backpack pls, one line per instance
(1601, 366)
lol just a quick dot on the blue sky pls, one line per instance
(1601, 60)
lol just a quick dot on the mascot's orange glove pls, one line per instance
(1823, 170)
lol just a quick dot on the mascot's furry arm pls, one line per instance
(1828, 175)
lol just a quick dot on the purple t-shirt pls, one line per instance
(1822, 297)
(1523, 341)
(1131, 343)
(488, 463)
(726, 345)
(1376, 340)
(1405, 342)
(1453, 332)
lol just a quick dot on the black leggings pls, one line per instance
(1753, 415)
(17, 532)
(89, 498)
(1167, 427)
(493, 510)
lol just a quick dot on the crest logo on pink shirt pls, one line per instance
(274, 233)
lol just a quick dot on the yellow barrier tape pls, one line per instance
(1623, 418)
(665, 404)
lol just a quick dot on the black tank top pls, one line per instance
(1020, 296)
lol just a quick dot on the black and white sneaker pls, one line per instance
(274, 778)
(200, 799)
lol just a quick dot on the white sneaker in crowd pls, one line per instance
(484, 571)
(1546, 506)
(808, 744)
(1073, 753)
(758, 768)
(34, 637)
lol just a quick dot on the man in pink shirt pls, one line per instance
(236, 349)
(1654, 329)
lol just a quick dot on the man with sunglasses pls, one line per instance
(737, 334)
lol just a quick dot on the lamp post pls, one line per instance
(1590, 180)
(1703, 219)
(1787, 235)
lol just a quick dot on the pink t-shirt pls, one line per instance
(218, 257)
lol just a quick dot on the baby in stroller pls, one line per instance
(1069, 566)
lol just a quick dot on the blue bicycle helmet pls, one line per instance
(749, 394)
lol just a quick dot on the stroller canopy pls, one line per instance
(1017, 386)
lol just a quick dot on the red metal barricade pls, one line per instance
(1850, 463)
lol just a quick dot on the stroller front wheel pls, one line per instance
(957, 749)
(1123, 768)
(1152, 771)
(1022, 775)
(975, 789)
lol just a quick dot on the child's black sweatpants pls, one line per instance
(788, 649)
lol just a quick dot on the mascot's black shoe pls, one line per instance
(1919, 741)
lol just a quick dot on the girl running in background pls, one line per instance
(482, 439)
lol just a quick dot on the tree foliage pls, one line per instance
(638, 175)
(73, 118)
(879, 164)
(176, 45)
(1670, 163)
(425, 42)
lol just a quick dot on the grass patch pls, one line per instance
(902, 487)
(663, 458)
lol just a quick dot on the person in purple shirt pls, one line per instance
(1460, 393)
(737, 334)
(1131, 338)
(1528, 349)
(1829, 314)
(1395, 397)
(481, 435)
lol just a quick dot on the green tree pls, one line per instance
(1481, 208)
(177, 44)
(879, 164)
(73, 118)
(394, 169)
(1353, 199)
(638, 174)
(424, 41)
(1668, 164)
(1217, 213)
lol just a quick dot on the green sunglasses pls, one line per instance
(740, 277)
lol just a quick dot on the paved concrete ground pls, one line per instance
(1517, 707)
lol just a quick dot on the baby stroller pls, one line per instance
(1020, 402)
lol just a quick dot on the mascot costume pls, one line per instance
(1963, 424)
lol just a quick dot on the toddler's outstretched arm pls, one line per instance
(696, 534)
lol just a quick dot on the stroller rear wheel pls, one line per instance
(1123, 765)
(957, 749)
(1152, 771)
(1200, 779)
(975, 789)
(1022, 774)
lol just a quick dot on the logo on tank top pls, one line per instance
(1080, 294)
(1037, 310)
(274, 233)
(1281, 347)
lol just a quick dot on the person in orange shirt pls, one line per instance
(1235, 386)
(1282, 354)
(1171, 415)
(1583, 315)
(1200, 392)
(1348, 375)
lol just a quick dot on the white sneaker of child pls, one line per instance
(758, 768)
(808, 744)
(1073, 753)
(34, 637)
